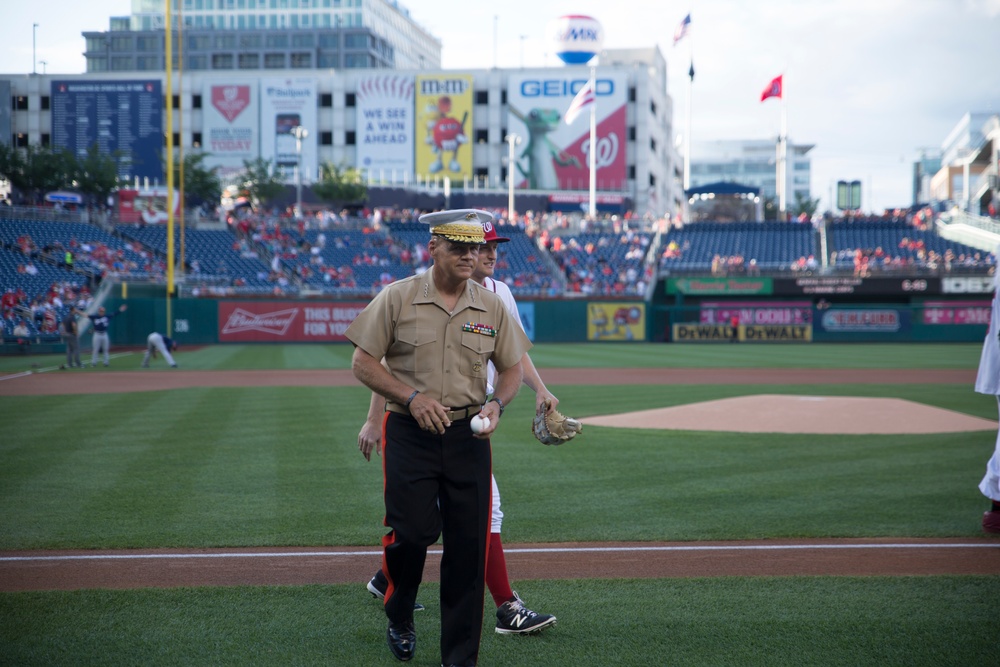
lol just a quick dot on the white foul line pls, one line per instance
(313, 554)
(49, 369)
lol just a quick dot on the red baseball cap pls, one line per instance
(490, 234)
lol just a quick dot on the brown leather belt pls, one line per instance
(453, 415)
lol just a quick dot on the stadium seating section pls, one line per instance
(210, 255)
(771, 245)
(353, 259)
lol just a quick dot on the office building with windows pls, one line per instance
(352, 83)
(753, 163)
(242, 35)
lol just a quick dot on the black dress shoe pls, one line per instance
(402, 640)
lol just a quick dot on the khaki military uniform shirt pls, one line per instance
(443, 355)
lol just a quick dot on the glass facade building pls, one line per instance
(264, 34)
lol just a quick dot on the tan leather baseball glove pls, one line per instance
(554, 428)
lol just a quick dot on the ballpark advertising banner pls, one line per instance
(285, 322)
(956, 312)
(526, 311)
(967, 285)
(124, 118)
(757, 312)
(865, 320)
(444, 116)
(148, 205)
(719, 333)
(285, 104)
(616, 321)
(554, 154)
(231, 121)
(385, 126)
(719, 286)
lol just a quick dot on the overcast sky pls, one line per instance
(868, 82)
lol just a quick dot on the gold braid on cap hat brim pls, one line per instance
(460, 232)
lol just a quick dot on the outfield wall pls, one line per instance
(681, 310)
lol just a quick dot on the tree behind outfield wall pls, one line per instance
(340, 186)
(259, 181)
(96, 175)
(35, 170)
(805, 205)
(201, 183)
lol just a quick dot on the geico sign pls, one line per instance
(564, 87)
(967, 285)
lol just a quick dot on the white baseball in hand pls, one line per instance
(479, 424)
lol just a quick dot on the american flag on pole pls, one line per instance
(584, 98)
(682, 29)
(773, 89)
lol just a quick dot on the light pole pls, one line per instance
(34, 58)
(300, 134)
(522, 50)
(44, 63)
(512, 140)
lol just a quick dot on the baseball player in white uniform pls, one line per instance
(157, 342)
(988, 382)
(512, 616)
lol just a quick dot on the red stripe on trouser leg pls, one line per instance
(496, 572)
(387, 540)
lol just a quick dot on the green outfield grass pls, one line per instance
(766, 622)
(280, 466)
(563, 355)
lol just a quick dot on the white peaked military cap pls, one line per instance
(464, 225)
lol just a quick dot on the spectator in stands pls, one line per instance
(21, 330)
(9, 299)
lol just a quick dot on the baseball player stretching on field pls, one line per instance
(157, 342)
(100, 340)
(512, 616)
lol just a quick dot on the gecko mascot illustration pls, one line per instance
(541, 154)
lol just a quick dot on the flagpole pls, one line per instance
(783, 156)
(687, 131)
(592, 152)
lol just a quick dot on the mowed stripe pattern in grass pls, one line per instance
(280, 466)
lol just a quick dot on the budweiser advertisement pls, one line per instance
(285, 322)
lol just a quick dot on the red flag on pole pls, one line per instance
(773, 89)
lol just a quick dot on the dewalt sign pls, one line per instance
(799, 333)
(721, 333)
(703, 333)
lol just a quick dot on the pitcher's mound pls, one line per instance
(773, 413)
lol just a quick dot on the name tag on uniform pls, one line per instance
(482, 329)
